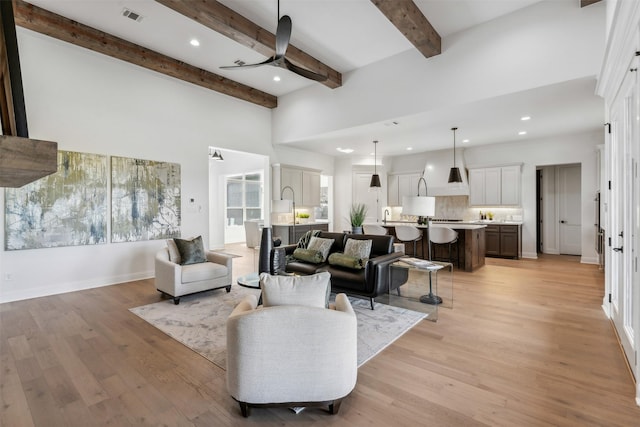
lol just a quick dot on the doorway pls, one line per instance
(239, 189)
(558, 208)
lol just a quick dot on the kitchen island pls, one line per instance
(470, 249)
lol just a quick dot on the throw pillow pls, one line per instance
(342, 260)
(311, 291)
(308, 255)
(191, 251)
(174, 253)
(358, 248)
(321, 245)
(306, 237)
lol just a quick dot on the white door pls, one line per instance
(624, 221)
(569, 204)
(362, 194)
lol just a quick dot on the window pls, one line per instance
(244, 198)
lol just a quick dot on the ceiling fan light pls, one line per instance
(454, 175)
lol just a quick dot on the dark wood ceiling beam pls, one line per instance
(407, 18)
(56, 26)
(218, 17)
(584, 3)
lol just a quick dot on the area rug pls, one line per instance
(199, 322)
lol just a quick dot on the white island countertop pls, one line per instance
(456, 225)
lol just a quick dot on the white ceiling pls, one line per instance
(346, 35)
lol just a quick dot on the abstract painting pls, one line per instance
(145, 200)
(66, 208)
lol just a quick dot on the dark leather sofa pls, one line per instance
(368, 282)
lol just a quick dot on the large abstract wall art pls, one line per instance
(145, 200)
(66, 208)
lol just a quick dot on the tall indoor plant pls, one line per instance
(357, 215)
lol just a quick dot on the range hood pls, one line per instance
(22, 160)
(436, 173)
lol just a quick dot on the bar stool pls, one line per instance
(445, 236)
(407, 234)
(374, 229)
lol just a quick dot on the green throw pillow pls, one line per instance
(308, 255)
(342, 260)
(191, 251)
(321, 245)
(358, 248)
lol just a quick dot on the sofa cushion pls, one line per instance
(321, 245)
(202, 271)
(311, 291)
(308, 255)
(358, 248)
(342, 260)
(174, 253)
(191, 251)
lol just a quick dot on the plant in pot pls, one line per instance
(357, 215)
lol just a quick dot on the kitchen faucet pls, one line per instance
(386, 212)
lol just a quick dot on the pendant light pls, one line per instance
(375, 178)
(454, 173)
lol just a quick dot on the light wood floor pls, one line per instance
(526, 344)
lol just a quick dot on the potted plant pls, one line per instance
(357, 214)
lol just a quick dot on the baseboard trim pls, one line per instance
(530, 255)
(589, 260)
(64, 288)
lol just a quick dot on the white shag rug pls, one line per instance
(199, 322)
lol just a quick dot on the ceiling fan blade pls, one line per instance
(265, 62)
(283, 35)
(304, 72)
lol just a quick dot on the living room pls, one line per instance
(91, 103)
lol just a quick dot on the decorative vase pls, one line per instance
(266, 244)
(356, 230)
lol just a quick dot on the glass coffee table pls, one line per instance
(420, 285)
(251, 280)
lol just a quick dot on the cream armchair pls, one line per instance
(291, 355)
(177, 280)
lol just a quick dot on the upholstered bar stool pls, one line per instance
(374, 229)
(445, 236)
(407, 234)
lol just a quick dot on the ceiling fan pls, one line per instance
(283, 34)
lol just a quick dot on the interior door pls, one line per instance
(362, 194)
(624, 221)
(569, 204)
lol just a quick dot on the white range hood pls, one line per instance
(436, 173)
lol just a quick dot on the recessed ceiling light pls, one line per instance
(276, 78)
(345, 150)
(409, 148)
(522, 132)
(465, 140)
(525, 118)
(194, 42)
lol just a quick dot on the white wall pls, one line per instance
(577, 148)
(475, 64)
(91, 103)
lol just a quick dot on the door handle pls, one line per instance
(618, 249)
(562, 221)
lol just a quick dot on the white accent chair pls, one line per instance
(408, 234)
(291, 355)
(177, 280)
(375, 229)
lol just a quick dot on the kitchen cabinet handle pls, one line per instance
(618, 249)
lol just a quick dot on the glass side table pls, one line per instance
(420, 288)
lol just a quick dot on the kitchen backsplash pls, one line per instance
(457, 207)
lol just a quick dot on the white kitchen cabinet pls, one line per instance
(305, 184)
(510, 185)
(400, 185)
(497, 186)
(310, 188)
